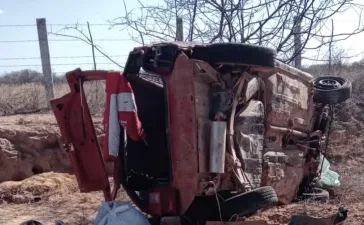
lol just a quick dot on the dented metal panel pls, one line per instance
(289, 103)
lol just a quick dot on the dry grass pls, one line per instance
(59, 199)
(41, 187)
(31, 97)
(351, 190)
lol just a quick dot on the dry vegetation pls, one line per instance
(31, 98)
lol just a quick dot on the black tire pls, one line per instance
(31, 222)
(331, 90)
(154, 221)
(249, 202)
(202, 209)
(317, 194)
(221, 53)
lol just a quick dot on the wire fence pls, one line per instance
(60, 62)
(20, 56)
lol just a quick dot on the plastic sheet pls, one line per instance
(119, 213)
(328, 178)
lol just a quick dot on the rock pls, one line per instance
(8, 159)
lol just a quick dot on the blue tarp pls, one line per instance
(119, 213)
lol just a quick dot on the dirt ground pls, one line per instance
(60, 200)
(57, 198)
(52, 196)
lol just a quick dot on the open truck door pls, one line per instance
(78, 134)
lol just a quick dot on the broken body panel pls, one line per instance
(78, 133)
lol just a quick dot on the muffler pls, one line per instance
(217, 146)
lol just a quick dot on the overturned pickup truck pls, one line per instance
(211, 131)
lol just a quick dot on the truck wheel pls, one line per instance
(317, 194)
(331, 90)
(31, 222)
(249, 202)
(227, 53)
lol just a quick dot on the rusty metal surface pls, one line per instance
(251, 88)
(293, 72)
(183, 134)
(283, 170)
(203, 129)
(204, 75)
(289, 109)
(288, 102)
(204, 72)
(249, 134)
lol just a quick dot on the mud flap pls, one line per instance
(79, 136)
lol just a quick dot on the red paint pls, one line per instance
(183, 132)
(116, 83)
(77, 129)
(162, 202)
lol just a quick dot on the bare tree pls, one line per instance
(338, 60)
(265, 22)
(86, 38)
(332, 63)
(95, 95)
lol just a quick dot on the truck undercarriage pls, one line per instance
(226, 125)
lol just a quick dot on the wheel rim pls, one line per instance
(328, 83)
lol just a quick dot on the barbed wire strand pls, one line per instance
(58, 64)
(62, 40)
(66, 25)
(61, 57)
(53, 24)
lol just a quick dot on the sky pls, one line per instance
(25, 12)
